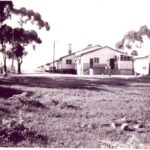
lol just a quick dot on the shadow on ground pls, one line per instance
(8, 92)
(71, 82)
(64, 82)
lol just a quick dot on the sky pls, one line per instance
(83, 22)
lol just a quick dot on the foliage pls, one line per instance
(5, 7)
(18, 37)
(32, 16)
(133, 36)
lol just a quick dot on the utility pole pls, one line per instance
(53, 57)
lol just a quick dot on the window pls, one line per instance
(96, 60)
(125, 58)
(129, 58)
(68, 61)
(121, 58)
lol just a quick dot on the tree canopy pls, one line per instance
(5, 8)
(31, 16)
(18, 37)
(133, 36)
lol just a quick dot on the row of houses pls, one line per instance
(95, 60)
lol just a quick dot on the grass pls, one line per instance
(75, 112)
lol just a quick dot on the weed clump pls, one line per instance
(15, 133)
(4, 110)
(69, 106)
(32, 103)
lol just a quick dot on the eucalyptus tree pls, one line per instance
(134, 38)
(27, 37)
(21, 39)
(18, 37)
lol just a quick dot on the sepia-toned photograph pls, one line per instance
(75, 74)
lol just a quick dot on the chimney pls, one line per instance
(89, 45)
(70, 48)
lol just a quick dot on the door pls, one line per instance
(112, 63)
(91, 62)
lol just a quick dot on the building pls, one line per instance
(142, 65)
(51, 67)
(66, 64)
(93, 60)
(103, 60)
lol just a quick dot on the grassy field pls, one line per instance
(74, 112)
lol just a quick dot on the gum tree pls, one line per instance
(21, 39)
(134, 38)
(18, 37)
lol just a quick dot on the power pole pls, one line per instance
(53, 56)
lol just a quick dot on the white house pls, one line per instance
(103, 60)
(66, 64)
(142, 65)
(94, 60)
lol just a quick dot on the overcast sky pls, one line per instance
(83, 22)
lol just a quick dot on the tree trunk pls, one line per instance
(19, 61)
(19, 68)
(5, 67)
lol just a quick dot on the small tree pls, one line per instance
(23, 38)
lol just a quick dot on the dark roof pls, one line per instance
(100, 49)
(47, 64)
(59, 59)
(66, 56)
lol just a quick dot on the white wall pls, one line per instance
(68, 66)
(141, 66)
(103, 54)
(59, 65)
(78, 66)
(125, 64)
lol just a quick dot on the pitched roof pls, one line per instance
(101, 49)
(87, 49)
(47, 64)
(141, 57)
(66, 56)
